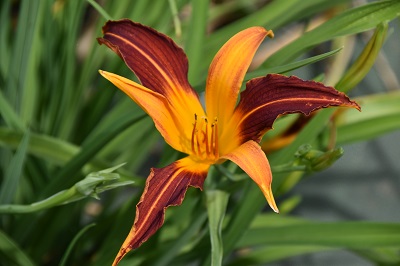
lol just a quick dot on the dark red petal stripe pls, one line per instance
(164, 187)
(266, 98)
(152, 56)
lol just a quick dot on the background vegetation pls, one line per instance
(62, 124)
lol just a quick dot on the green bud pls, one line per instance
(326, 159)
(316, 160)
(98, 182)
(365, 61)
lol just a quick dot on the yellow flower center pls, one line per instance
(204, 141)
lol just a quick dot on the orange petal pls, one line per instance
(158, 62)
(164, 187)
(156, 106)
(253, 161)
(266, 98)
(227, 71)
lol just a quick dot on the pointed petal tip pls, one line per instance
(118, 258)
(267, 33)
(355, 105)
(252, 160)
(105, 74)
(347, 102)
(270, 34)
(275, 209)
(164, 187)
(126, 247)
(270, 198)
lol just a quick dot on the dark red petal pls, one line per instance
(156, 60)
(164, 187)
(266, 98)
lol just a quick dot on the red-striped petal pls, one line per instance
(164, 187)
(268, 97)
(156, 60)
(161, 67)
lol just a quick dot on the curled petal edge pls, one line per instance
(164, 187)
(266, 98)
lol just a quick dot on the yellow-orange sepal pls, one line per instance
(253, 161)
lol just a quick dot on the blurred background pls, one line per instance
(61, 124)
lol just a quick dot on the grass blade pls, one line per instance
(13, 173)
(352, 21)
(217, 200)
(68, 174)
(100, 10)
(195, 40)
(73, 243)
(379, 115)
(20, 56)
(11, 252)
(328, 234)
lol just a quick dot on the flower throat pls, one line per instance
(204, 142)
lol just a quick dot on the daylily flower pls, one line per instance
(223, 130)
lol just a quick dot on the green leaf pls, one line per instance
(169, 252)
(175, 18)
(11, 252)
(380, 114)
(100, 10)
(328, 234)
(74, 241)
(352, 21)
(9, 115)
(380, 256)
(273, 15)
(67, 175)
(5, 49)
(291, 66)
(217, 200)
(16, 76)
(263, 255)
(46, 147)
(243, 215)
(194, 45)
(13, 172)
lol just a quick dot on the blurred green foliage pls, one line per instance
(61, 121)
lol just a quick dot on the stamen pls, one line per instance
(216, 150)
(193, 133)
(198, 144)
(212, 137)
(206, 138)
(201, 136)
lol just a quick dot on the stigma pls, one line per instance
(204, 139)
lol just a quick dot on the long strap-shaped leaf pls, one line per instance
(352, 21)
